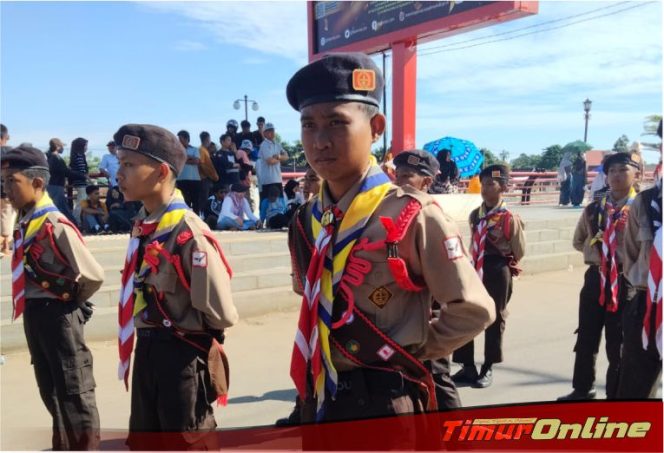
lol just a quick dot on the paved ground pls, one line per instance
(538, 366)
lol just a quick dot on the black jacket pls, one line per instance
(59, 170)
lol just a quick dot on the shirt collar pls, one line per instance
(344, 203)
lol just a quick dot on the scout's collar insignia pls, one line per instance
(380, 296)
(413, 160)
(496, 174)
(364, 80)
(131, 142)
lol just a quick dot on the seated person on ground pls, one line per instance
(94, 216)
(273, 210)
(235, 211)
(294, 197)
(119, 212)
(213, 205)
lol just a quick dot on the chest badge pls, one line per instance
(380, 296)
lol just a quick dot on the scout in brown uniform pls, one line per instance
(378, 256)
(599, 235)
(176, 292)
(498, 244)
(641, 364)
(53, 276)
(418, 169)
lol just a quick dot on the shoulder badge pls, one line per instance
(453, 248)
(199, 259)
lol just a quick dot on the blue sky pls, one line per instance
(72, 69)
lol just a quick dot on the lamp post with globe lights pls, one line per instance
(586, 108)
(246, 100)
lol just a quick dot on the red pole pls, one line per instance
(404, 82)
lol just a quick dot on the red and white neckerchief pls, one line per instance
(24, 236)
(614, 222)
(480, 234)
(654, 291)
(127, 295)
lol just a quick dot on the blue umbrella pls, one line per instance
(464, 153)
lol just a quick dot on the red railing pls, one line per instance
(525, 187)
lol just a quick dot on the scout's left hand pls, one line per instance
(87, 308)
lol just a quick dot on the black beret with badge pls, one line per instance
(420, 161)
(152, 141)
(24, 157)
(338, 77)
(622, 158)
(500, 172)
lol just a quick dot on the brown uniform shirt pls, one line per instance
(209, 304)
(515, 246)
(637, 241)
(82, 266)
(585, 231)
(444, 268)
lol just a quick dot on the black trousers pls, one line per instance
(592, 319)
(171, 395)
(63, 369)
(362, 394)
(497, 280)
(191, 192)
(447, 394)
(640, 369)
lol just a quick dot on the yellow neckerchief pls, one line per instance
(371, 193)
(171, 217)
(36, 220)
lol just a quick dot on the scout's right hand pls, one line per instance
(87, 308)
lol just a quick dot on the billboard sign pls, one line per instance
(373, 26)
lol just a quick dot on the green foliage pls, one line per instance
(296, 155)
(526, 162)
(492, 159)
(650, 130)
(621, 145)
(552, 155)
(93, 164)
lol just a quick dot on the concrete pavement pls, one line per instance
(538, 366)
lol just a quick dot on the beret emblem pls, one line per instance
(131, 142)
(364, 80)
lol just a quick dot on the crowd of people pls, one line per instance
(245, 165)
(389, 294)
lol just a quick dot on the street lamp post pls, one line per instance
(586, 108)
(246, 100)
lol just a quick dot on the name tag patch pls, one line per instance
(453, 248)
(199, 259)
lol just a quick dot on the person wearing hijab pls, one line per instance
(565, 179)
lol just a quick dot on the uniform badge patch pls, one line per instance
(453, 248)
(199, 259)
(495, 174)
(385, 352)
(131, 142)
(353, 347)
(364, 80)
(380, 296)
(413, 160)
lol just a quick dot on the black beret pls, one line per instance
(237, 187)
(336, 77)
(152, 141)
(496, 172)
(621, 158)
(421, 161)
(24, 157)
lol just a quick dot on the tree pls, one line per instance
(490, 158)
(296, 157)
(650, 126)
(551, 157)
(622, 144)
(504, 155)
(526, 162)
